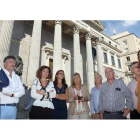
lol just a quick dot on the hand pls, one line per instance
(82, 99)
(76, 97)
(41, 92)
(126, 112)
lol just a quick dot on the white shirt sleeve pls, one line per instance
(34, 94)
(17, 91)
(52, 90)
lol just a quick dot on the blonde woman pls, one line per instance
(78, 99)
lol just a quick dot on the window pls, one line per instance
(119, 63)
(102, 38)
(109, 43)
(112, 60)
(126, 50)
(128, 58)
(125, 42)
(128, 67)
(105, 58)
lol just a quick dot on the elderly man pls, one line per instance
(135, 69)
(113, 93)
(94, 102)
(10, 95)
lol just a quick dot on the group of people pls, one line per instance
(109, 100)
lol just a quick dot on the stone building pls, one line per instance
(129, 45)
(74, 46)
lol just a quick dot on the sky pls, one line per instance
(119, 26)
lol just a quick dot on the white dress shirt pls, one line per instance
(45, 102)
(15, 87)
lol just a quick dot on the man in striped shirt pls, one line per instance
(115, 99)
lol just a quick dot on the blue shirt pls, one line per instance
(94, 102)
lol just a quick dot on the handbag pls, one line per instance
(27, 101)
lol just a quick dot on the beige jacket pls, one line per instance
(72, 105)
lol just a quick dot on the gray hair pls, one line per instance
(99, 75)
(133, 63)
(110, 68)
(9, 57)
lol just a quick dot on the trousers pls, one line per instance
(83, 116)
(8, 112)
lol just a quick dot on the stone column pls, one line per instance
(5, 39)
(76, 50)
(57, 56)
(90, 67)
(34, 52)
(99, 57)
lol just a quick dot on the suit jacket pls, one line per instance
(72, 105)
(4, 81)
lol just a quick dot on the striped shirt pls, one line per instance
(112, 97)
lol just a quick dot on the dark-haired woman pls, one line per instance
(43, 91)
(60, 111)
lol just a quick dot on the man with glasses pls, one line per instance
(135, 69)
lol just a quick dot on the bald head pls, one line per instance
(109, 73)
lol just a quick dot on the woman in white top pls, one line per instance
(78, 99)
(43, 91)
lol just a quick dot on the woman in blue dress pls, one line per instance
(60, 106)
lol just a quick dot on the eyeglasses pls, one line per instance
(136, 67)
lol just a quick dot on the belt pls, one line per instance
(112, 113)
(14, 104)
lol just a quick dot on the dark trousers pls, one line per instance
(114, 116)
(38, 112)
(134, 115)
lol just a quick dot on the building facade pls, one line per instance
(129, 45)
(74, 46)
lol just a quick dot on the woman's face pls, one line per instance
(60, 75)
(77, 80)
(45, 73)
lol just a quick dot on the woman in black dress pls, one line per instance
(60, 111)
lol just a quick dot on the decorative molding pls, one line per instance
(76, 29)
(112, 52)
(47, 55)
(88, 36)
(118, 55)
(98, 40)
(58, 22)
(105, 49)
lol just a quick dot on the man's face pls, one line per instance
(10, 64)
(136, 69)
(109, 74)
(98, 79)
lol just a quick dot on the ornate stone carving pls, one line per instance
(58, 22)
(88, 36)
(19, 66)
(76, 30)
(98, 40)
(47, 55)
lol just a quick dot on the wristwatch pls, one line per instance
(12, 95)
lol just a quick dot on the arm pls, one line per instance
(34, 91)
(17, 91)
(92, 105)
(65, 96)
(101, 104)
(127, 95)
(71, 98)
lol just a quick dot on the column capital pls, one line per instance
(98, 40)
(58, 22)
(88, 36)
(76, 29)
